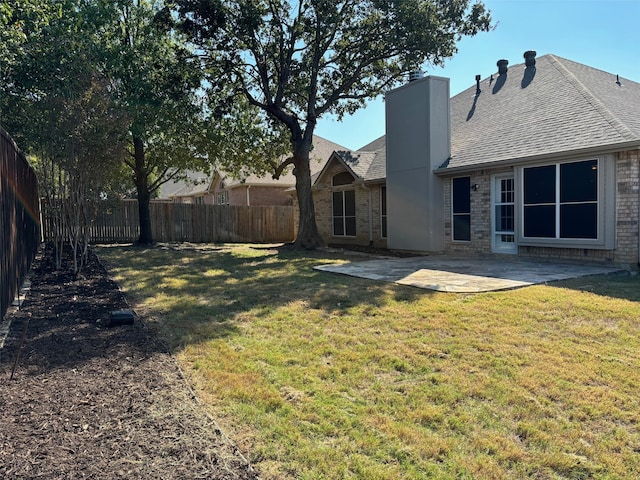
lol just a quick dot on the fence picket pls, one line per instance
(19, 219)
(197, 223)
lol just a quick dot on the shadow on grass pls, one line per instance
(624, 285)
(205, 293)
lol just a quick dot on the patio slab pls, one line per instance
(446, 273)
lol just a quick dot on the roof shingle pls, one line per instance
(554, 107)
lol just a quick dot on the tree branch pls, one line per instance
(280, 168)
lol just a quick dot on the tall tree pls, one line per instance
(300, 60)
(60, 109)
(156, 80)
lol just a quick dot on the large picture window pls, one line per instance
(461, 208)
(561, 201)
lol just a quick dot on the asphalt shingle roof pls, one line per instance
(368, 165)
(320, 153)
(554, 107)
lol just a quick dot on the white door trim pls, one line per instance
(503, 241)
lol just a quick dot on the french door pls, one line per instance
(503, 238)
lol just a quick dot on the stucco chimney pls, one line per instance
(418, 141)
(530, 58)
(502, 66)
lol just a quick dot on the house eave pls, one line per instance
(562, 155)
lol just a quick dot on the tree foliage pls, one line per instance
(123, 75)
(299, 60)
(157, 84)
(20, 19)
(59, 108)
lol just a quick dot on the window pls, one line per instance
(222, 198)
(344, 206)
(344, 213)
(560, 201)
(461, 208)
(383, 212)
(340, 179)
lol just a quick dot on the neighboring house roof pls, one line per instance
(181, 187)
(199, 187)
(320, 153)
(554, 108)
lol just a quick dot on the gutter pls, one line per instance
(565, 155)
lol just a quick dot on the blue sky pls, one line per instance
(603, 34)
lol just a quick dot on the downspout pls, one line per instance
(370, 213)
(248, 196)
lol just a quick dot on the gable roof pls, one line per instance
(367, 166)
(555, 107)
(377, 144)
(201, 186)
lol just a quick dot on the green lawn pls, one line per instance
(318, 375)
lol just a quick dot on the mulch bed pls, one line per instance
(88, 401)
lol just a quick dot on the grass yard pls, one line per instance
(323, 376)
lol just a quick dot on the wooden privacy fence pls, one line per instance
(180, 222)
(19, 219)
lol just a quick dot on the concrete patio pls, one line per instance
(446, 273)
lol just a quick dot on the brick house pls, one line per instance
(540, 159)
(225, 189)
(349, 195)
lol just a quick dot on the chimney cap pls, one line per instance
(415, 75)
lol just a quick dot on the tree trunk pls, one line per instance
(144, 196)
(308, 235)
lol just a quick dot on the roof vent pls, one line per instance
(502, 66)
(530, 58)
(478, 84)
(415, 75)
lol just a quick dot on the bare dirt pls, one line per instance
(88, 401)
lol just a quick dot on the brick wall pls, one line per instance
(627, 207)
(480, 215)
(323, 201)
(269, 196)
(627, 214)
